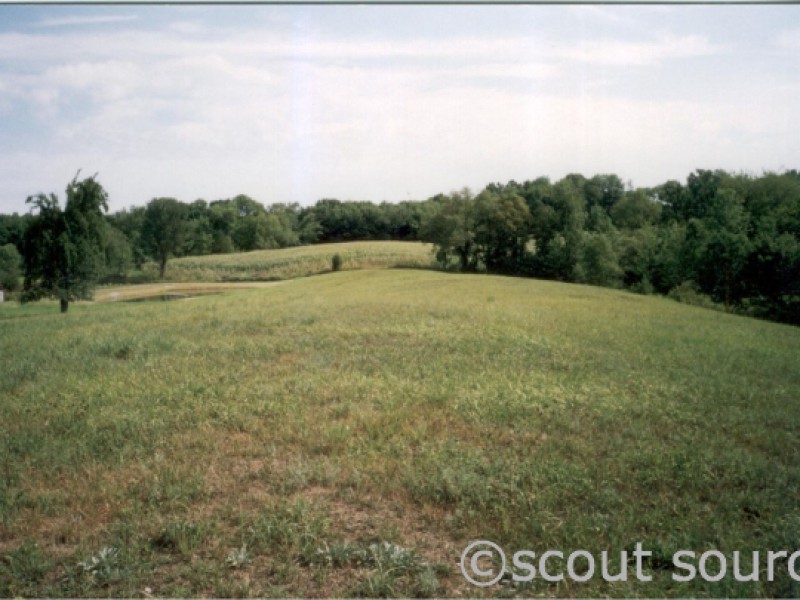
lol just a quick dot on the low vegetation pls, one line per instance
(349, 434)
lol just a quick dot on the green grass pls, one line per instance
(349, 434)
(288, 263)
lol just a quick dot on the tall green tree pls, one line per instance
(251, 232)
(452, 229)
(598, 263)
(64, 249)
(723, 247)
(637, 255)
(671, 196)
(164, 230)
(604, 191)
(702, 187)
(634, 210)
(502, 230)
(10, 267)
(129, 221)
(222, 215)
(118, 252)
(309, 229)
(560, 256)
(12, 229)
(670, 265)
(199, 237)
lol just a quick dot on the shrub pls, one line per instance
(688, 293)
(336, 262)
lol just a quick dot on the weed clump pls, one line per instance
(22, 569)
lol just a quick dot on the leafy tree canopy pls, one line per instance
(10, 267)
(163, 230)
(63, 250)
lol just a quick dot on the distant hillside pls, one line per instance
(287, 263)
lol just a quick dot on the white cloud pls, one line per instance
(254, 45)
(192, 111)
(789, 40)
(104, 80)
(620, 53)
(86, 20)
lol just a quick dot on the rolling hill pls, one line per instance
(350, 434)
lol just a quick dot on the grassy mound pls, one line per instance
(288, 263)
(350, 434)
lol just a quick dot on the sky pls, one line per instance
(387, 103)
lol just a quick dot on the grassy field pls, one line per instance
(288, 263)
(349, 434)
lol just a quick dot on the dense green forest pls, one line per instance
(725, 239)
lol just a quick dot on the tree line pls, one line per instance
(733, 239)
(726, 238)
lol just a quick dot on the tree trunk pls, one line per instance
(64, 305)
(162, 267)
